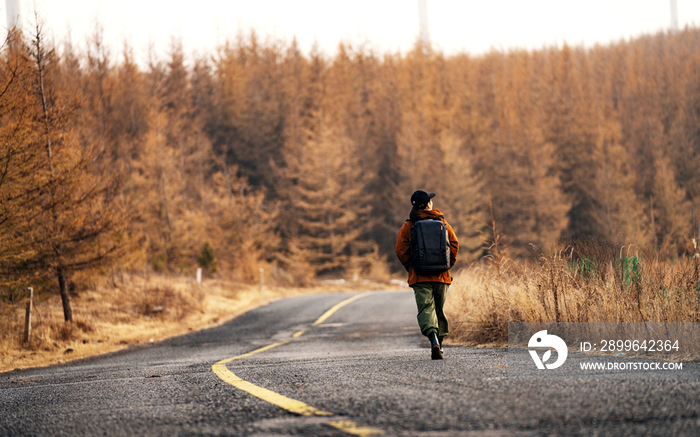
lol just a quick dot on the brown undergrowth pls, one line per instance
(587, 282)
(135, 310)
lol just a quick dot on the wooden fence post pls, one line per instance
(28, 318)
(262, 273)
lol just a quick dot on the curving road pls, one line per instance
(295, 368)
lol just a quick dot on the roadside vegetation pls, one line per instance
(131, 309)
(585, 280)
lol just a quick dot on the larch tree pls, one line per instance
(685, 136)
(619, 212)
(569, 127)
(670, 210)
(240, 224)
(80, 223)
(153, 174)
(387, 179)
(327, 198)
(188, 150)
(251, 123)
(21, 187)
(418, 139)
(535, 212)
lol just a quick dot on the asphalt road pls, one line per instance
(365, 369)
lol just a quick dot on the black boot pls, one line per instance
(440, 339)
(435, 352)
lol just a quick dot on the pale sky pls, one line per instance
(455, 26)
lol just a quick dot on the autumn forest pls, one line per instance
(260, 156)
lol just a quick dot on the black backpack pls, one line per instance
(430, 246)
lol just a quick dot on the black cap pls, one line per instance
(420, 199)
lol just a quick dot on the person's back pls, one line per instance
(430, 289)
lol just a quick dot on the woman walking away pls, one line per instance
(427, 247)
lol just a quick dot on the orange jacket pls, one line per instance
(403, 250)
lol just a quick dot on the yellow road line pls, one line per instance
(256, 351)
(351, 427)
(338, 306)
(291, 405)
(266, 395)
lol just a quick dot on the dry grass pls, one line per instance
(135, 310)
(589, 283)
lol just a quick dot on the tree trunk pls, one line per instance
(65, 299)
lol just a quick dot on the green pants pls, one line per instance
(430, 298)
